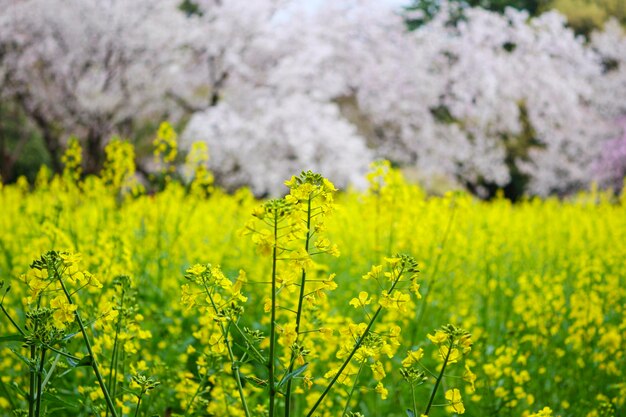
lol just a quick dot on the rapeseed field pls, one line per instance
(190, 301)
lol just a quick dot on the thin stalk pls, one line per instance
(299, 311)
(121, 384)
(94, 362)
(377, 232)
(60, 352)
(115, 354)
(345, 363)
(413, 397)
(439, 378)
(138, 404)
(353, 352)
(51, 370)
(270, 364)
(258, 354)
(235, 369)
(233, 363)
(392, 225)
(195, 394)
(356, 379)
(31, 379)
(6, 313)
(40, 382)
(9, 397)
(431, 281)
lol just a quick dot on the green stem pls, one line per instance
(115, 354)
(354, 350)
(233, 363)
(254, 350)
(121, 384)
(51, 370)
(299, 311)
(40, 382)
(6, 313)
(439, 378)
(33, 371)
(138, 404)
(94, 362)
(31, 381)
(9, 397)
(345, 363)
(60, 352)
(414, 403)
(195, 394)
(356, 378)
(431, 282)
(270, 364)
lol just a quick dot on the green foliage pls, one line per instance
(430, 7)
(583, 16)
(586, 15)
(22, 150)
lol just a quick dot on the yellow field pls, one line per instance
(540, 285)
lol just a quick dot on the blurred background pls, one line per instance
(526, 96)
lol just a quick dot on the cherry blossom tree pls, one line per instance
(90, 67)
(274, 107)
(610, 90)
(488, 100)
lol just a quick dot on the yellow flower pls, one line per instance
(292, 182)
(289, 333)
(70, 259)
(391, 262)
(466, 343)
(397, 301)
(328, 186)
(363, 300)
(196, 270)
(382, 391)
(545, 412)
(456, 402)
(378, 370)
(413, 357)
(242, 279)
(329, 283)
(63, 311)
(374, 272)
(439, 337)
(469, 377)
(187, 298)
(454, 355)
(326, 332)
(108, 311)
(307, 380)
(415, 289)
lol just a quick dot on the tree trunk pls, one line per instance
(94, 153)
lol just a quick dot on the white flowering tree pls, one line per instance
(275, 86)
(610, 90)
(489, 101)
(510, 99)
(90, 67)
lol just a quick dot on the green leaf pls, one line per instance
(24, 359)
(293, 374)
(12, 338)
(57, 403)
(84, 361)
